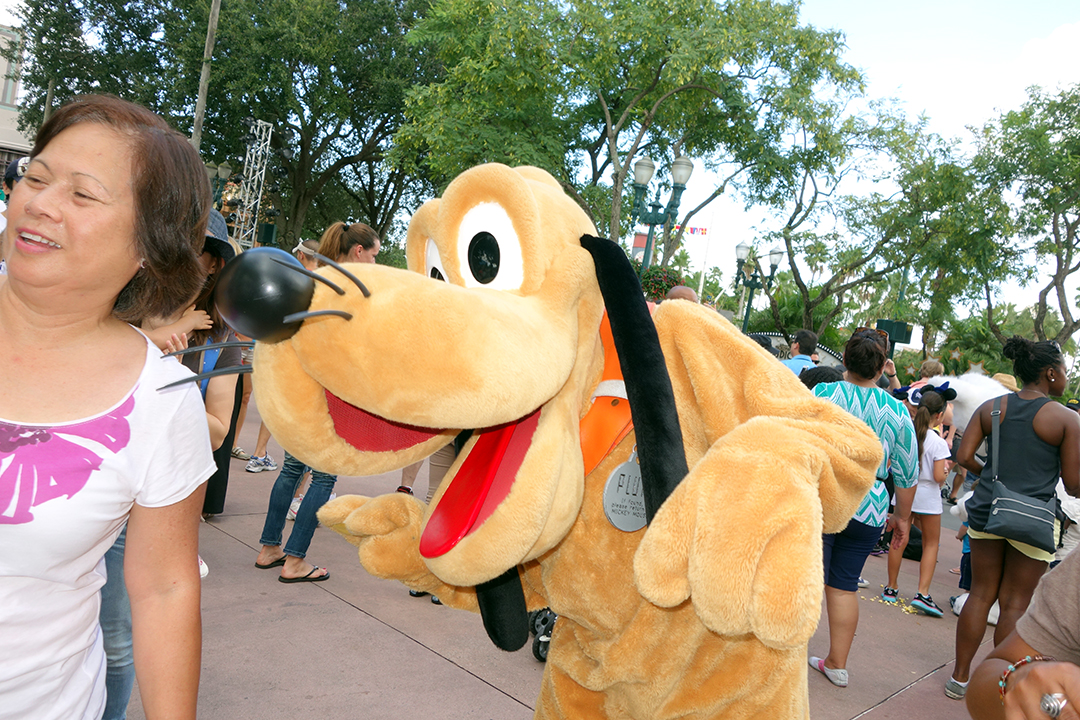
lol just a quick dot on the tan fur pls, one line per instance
(705, 613)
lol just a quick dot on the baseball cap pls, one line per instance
(217, 237)
(15, 170)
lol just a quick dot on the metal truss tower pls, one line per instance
(247, 210)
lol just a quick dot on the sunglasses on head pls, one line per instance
(874, 331)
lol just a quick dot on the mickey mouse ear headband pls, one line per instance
(947, 393)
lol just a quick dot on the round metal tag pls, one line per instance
(624, 498)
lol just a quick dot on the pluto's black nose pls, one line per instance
(258, 291)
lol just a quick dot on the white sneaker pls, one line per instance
(294, 506)
(204, 569)
(260, 464)
(863, 582)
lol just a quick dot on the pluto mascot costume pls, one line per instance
(661, 483)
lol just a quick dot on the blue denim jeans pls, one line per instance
(115, 619)
(292, 471)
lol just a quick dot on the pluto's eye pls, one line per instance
(484, 257)
(433, 262)
(488, 245)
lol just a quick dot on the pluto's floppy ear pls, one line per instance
(648, 387)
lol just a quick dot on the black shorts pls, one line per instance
(846, 553)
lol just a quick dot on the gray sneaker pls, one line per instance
(955, 689)
(260, 464)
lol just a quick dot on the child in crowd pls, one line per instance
(929, 409)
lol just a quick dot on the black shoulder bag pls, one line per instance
(1016, 516)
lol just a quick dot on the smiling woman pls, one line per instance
(105, 228)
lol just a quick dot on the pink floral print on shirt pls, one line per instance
(38, 464)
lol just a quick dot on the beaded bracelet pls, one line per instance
(1015, 666)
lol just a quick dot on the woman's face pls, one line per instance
(359, 254)
(71, 220)
(308, 261)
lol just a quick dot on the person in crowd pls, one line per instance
(1039, 441)
(349, 243)
(355, 242)
(802, 348)
(926, 506)
(765, 342)
(105, 228)
(11, 176)
(1034, 672)
(845, 552)
(681, 292)
(222, 393)
(814, 376)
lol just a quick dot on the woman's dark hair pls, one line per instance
(820, 374)
(171, 202)
(1031, 358)
(219, 332)
(865, 354)
(340, 238)
(930, 405)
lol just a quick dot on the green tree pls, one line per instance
(329, 76)
(933, 216)
(1034, 153)
(582, 88)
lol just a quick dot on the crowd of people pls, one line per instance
(111, 253)
(1018, 459)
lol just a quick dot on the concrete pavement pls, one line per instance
(358, 647)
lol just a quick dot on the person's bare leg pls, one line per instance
(896, 557)
(244, 398)
(958, 482)
(987, 564)
(931, 537)
(438, 465)
(843, 609)
(260, 444)
(1018, 580)
(409, 473)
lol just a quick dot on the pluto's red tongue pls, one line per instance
(481, 483)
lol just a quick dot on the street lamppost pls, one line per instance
(219, 175)
(657, 214)
(751, 275)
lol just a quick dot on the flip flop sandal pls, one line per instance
(276, 563)
(306, 578)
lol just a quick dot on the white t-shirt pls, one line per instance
(928, 492)
(65, 493)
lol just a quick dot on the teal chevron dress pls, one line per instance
(890, 420)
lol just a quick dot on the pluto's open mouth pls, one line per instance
(483, 479)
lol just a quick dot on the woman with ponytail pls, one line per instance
(1039, 440)
(349, 242)
(928, 410)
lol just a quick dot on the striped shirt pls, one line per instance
(890, 420)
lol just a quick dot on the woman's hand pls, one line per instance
(1028, 684)
(900, 528)
(1025, 686)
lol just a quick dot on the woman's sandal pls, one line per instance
(306, 578)
(276, 563)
